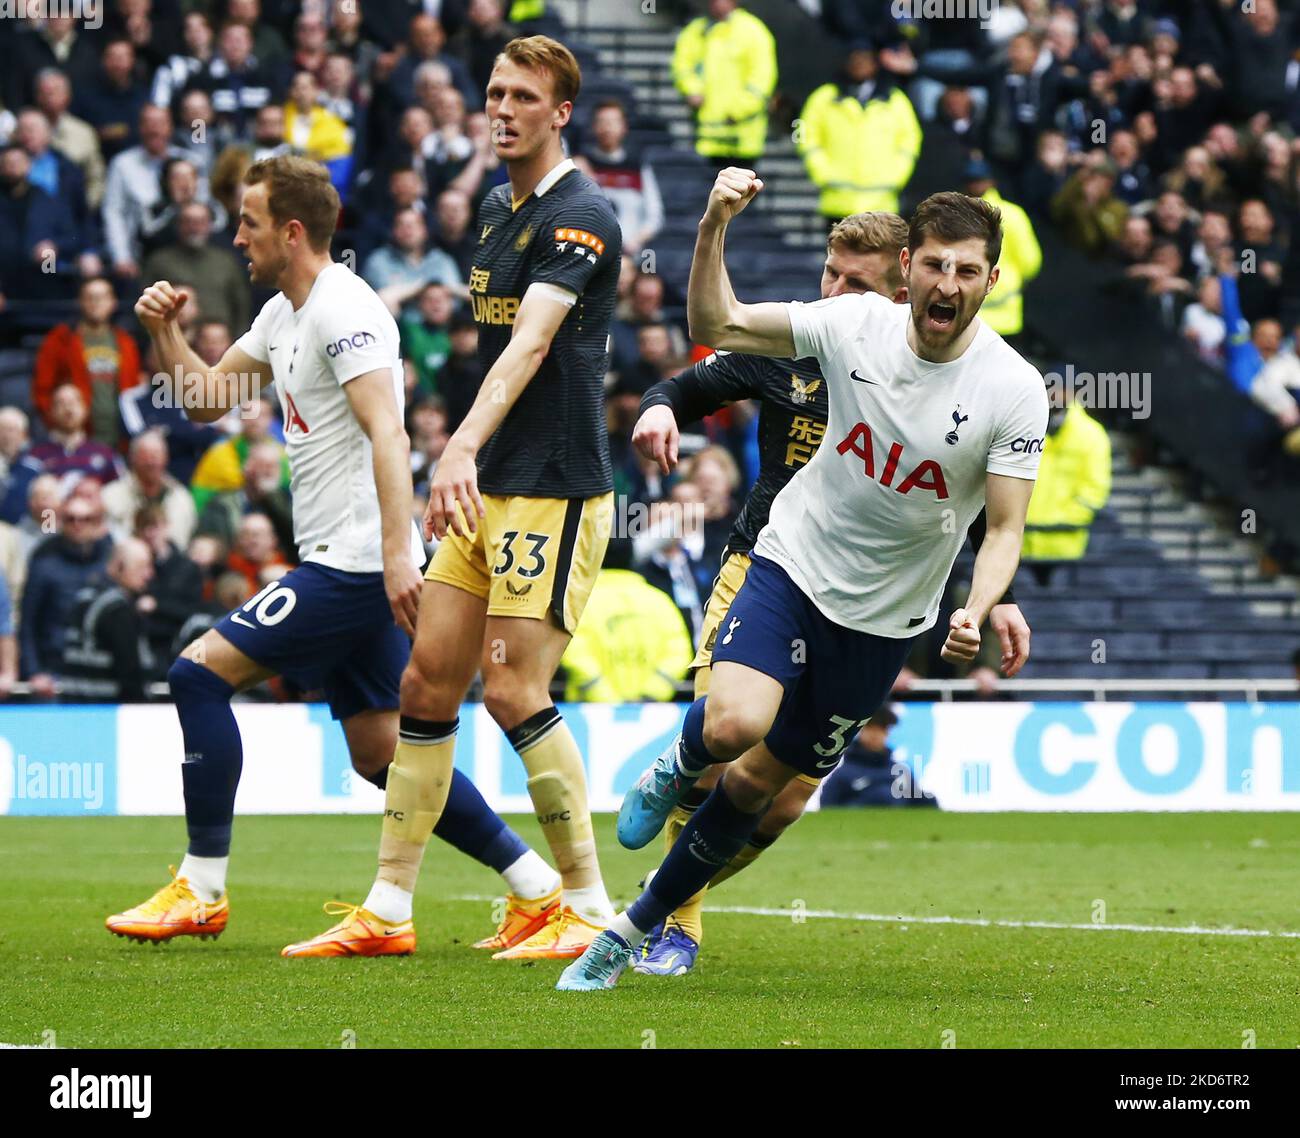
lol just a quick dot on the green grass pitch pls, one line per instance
(762, 981)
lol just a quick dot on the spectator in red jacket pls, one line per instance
(99, 360)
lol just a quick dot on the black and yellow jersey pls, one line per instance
(553, 443)
(791, 395)
(792, 411)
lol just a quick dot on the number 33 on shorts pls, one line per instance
(841, 735)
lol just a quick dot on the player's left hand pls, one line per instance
(963, 639)
(1013, 631)
(455, 481)
(402, 585)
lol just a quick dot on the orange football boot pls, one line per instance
(564, 936)
(359, 933)
(172, 911)
(522, 919)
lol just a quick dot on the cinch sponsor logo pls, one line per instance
(347, 343)
(581, 237)
(1027, 446)
(928, 475)
(494, 309)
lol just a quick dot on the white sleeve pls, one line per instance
(356, 343)
(819, 327)
(1018, 444)
(1270, 389)
(254, 342)
(117, 233)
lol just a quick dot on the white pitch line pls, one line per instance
(975, 922)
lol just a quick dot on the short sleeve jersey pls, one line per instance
(342, 331)
(553, 443)
(870, 528)
(791, 420)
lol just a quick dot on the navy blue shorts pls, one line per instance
(834, 678)
(325, 629)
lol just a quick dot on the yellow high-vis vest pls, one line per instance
(731, 65)
(860, 155)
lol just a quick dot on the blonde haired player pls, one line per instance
(521, 502)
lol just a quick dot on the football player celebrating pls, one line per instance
(931, 417)
(341, 620)
(522, 503)
(862, 255)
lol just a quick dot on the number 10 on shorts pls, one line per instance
(268, 607)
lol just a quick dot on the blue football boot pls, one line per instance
(599, 966)
(672, 954)
(647, 805)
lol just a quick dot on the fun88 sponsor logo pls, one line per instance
(348, 343)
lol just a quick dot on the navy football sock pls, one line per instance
(715, 834)
(469, 824)
(214, 755)
(695, 755)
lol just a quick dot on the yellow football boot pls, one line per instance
(172, 911)
(564, 937)
(522, 919)
(359, 933)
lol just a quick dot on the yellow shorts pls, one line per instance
(531, 557)
(726, 585)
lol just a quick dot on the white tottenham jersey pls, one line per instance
(341, 332)
(870, 528)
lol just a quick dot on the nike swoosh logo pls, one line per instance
(854, 375)
(272, 347)
(825, 766)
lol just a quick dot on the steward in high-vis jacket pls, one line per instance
(725, 65)
(859, 139)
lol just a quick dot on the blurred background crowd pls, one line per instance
(1155, 138)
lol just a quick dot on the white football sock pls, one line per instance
(627, 930)
(206, 875)
(591, 903)
(529, 877)
(389, 902)
(684, 764)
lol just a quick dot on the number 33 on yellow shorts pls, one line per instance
(531, 557)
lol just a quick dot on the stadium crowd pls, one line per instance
(1158, 136)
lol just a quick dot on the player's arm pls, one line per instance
(205, 393)
(686, 397)
(1007, 503)
(1005, 617)
(715, 316)
(455, 478)
(372, 401)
